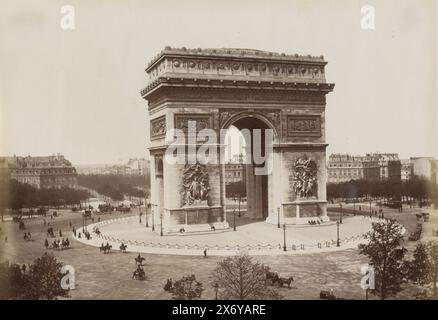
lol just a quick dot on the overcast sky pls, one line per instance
(77, 92)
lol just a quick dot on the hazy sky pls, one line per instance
(77, 92)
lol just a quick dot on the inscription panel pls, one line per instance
(304, 125)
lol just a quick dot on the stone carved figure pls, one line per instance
(195, 184)
(304, 177)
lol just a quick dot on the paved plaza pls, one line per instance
(108, 276)
(256, 238)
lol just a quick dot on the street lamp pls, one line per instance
(340, 218)
(146, 213)
(240, 198)
(139, 214)
(337, 231)
(215, 285)
(278, 217)
(161, 224)
(234, 219)
(371, 214)
(153, 220)
(284, 237)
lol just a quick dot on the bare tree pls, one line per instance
(241, 278)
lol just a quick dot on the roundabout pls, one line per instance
(254, 238)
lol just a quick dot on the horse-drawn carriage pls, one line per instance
(50, 233)
(139, 273)
(59, 244)
(272, 278)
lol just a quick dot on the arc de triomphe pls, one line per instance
(249, 89)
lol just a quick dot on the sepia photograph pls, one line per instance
(247, 152)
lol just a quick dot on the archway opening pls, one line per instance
(245, 187)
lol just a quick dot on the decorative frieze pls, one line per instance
(158, 127)
(203, 121)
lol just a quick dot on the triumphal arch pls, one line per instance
(249, 89)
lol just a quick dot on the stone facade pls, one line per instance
(249, 89)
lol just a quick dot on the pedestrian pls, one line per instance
(60, 233)
(46, 243)
(205, 253)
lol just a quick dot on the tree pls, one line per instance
(386, 257)
(423, 269)
(44, 279)
(241, 278)
(187, 288)
(432, 250)
(418, 268)
(12, 281)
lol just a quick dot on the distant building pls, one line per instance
(41, 172)
(371, 170)
(372, 167)
(425, 167)
(136, 166)
(406, 169)
(344, 167)
(235, 170)
(434, 171)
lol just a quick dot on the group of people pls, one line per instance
(374, 213)
(58, 244)
(314, 222)
(27, 236)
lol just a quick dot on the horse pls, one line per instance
(139, 260)
(168, 286)
(65, 244)
(282, 281)
(123, 247)
(139, 274)
(105, 248)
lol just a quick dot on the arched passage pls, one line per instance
(255, 181)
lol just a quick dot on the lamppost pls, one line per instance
(215, 285)
(340, 218)
(146, 212)
(240, 198)
(161, 224)
(278, 217)
(337, 231)
(153, 220)
(83, 222)
(234, 220)
(371, 214)
(139, 214)
(284, 237)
